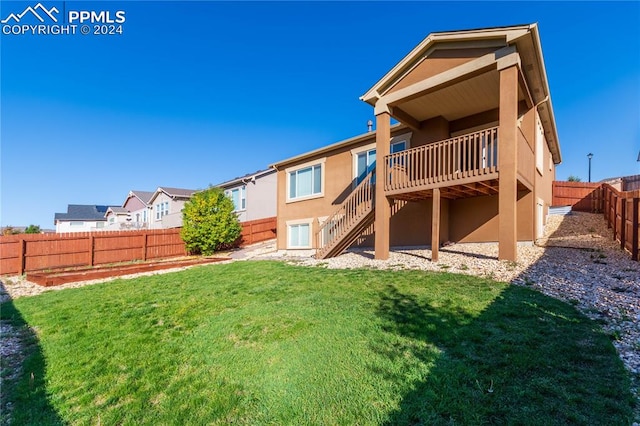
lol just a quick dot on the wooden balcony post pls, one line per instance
(383, 207)
(508, 165)
(435, 225)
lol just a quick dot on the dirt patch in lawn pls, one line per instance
(60, 277)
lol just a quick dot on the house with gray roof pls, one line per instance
(254, 195)
(82, 218)
(166, 206)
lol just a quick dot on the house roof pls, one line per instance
(525, 39)
(118, 210)
(246, 178)
(144, 196)
(338, 145)
(83, 212)
(174, 193)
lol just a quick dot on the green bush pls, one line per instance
(209, 223)
(32, 229)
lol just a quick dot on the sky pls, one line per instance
(191, 94)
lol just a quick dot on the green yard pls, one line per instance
(266, 343)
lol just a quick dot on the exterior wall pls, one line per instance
(440, 61)
(338, 182)
(133, 203)
(86, 226)
(173, 219)
(474, 220)
(261, 197)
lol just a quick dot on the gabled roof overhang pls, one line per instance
(517, 45)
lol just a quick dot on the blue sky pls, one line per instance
(196, 93)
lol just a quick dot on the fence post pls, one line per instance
(91, 250)
(634, 229)
(144, 246)
(615, 215)
(21, 258)
(623, 222)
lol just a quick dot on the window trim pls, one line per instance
(242, 197)
(319, 162)
(161, 210)
(297, 222)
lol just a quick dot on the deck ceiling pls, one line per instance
(471, 96)
(454, 192)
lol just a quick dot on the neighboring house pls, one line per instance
(472, 158)
(82, 218)
(253, 195)
(138, 204)
(624, 183)
(117, 218)
(166, 207)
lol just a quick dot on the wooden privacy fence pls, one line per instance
(582, 196)
(36, 252)
(622, 215)
(33, 252)
(255, 231)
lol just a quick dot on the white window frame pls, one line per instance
(298, 222)
(162, 209)
(242, 197)
(320, 162)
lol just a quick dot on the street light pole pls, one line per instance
(589, 156)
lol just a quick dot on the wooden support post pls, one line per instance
(615, 216)
(92, 246)
(634, 230)
(623, 222)
(382, 204)
(435, 225)
(22, 256)
(508, 165)
(144, 246)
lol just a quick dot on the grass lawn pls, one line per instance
(266, 343)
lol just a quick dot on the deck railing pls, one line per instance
(357, 205)
(465, 156)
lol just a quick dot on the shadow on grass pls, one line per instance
(24, 396)
(526, 359)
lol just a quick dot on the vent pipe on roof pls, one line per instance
(369, 125)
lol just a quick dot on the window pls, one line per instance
(144, 215)
(365, 163)
(239, 198)
(99, 224)
(305, 182)
(162, 209)
(299, 235)
(398, 146)
(76, 223)
(365, 157)
(112, 219)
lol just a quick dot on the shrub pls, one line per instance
(209, 223)
(32, 229)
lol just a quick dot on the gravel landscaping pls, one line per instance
(576, 261)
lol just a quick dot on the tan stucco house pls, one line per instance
(471, 158)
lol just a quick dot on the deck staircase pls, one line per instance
(347, 223)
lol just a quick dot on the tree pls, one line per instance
(32, 229)
(209, 222)
(573, 178)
